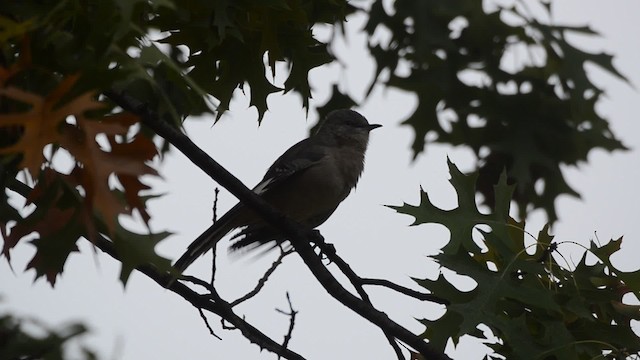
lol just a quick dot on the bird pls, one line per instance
(306, 183)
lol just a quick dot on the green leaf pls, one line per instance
(58, 221)
(631, 280)
(537, 308)
(12, 29)
(460, 221)
(135, 250)
(531, 118)
(48, 344)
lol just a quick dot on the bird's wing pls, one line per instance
(298, 158)
(294, 161)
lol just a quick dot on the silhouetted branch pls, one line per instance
(214, 250)
(292, 321)
(404, 290)
(299, 236)
(330, 252)
(206, 323)
(263, 279)
(210, 302)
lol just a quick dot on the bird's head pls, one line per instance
(346, 125)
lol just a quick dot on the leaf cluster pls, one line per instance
(16, 343)
(499, 81)
(536, 307)
(57, 58)
(229, 41)
(79, 202)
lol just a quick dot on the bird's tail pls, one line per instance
(207, 240)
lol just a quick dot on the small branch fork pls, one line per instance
(264, 279)
(300, 238)
(210, 302)
(292, 321)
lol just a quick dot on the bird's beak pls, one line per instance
(374, 126)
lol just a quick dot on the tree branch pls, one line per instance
(206, 323)
(330, 252)
(404, 290)
(292, 321)
(299, 237)
(263, 279)
(211, 302)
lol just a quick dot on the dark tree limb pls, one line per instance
(404, 290)
(211, 302)
(330, 252)
(300, 237)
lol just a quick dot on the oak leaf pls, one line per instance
(41, 123)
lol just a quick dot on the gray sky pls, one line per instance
(145, 321)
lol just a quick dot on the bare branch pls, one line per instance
(299, 236)
(216, 191)
(330, 252)
(292, 321)
(206, 322)
(404, 290)
(210, 302)
(214, 257)
(263, 280)
(197, 281)
(214, 250)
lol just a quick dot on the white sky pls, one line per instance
(144, 321)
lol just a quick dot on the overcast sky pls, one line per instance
(144, 321)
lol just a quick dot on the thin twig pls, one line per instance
(214, 251)
(292, 321)
(206, 323)
(355, 280)
(330, 252)
(214, 257)
(216, 191)
(404, 290)
(263, 280)
(197, 281)
(225, 326)
(211, 302)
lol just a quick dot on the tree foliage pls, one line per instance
(500, 81)
(537, 304)
(16, 343)
(59, 56)
(82, 82)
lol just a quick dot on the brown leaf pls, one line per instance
(52, 247)
(45, 122)
(126, 160)
(57, 221)
(41, 123)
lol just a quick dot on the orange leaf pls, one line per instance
(45, 123)
(126, 160)
(41, 123)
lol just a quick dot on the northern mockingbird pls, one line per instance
(306, 183)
